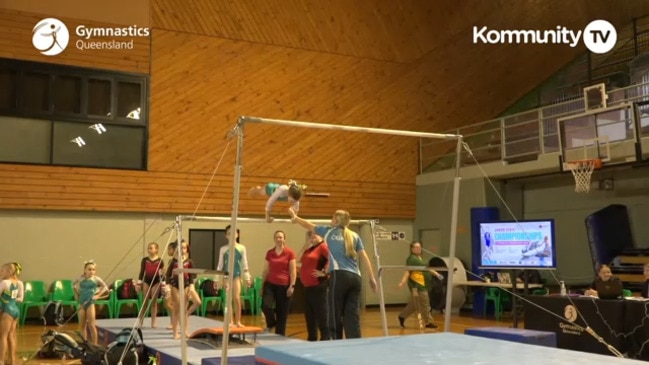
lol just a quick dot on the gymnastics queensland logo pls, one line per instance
(50, 36)
(570, 312)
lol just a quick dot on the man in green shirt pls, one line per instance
(418, 282)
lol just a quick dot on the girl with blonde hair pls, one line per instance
(11, 295)
(345, 251)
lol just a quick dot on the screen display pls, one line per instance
(522, 244)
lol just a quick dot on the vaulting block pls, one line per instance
(540, 338)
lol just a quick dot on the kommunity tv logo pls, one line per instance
(599, 36)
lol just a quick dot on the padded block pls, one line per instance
(531, 337)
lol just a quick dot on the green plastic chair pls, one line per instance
(248, 294)
(206, 300)
(34, 296)
(63, 292)
(541, 291)
(493, 295)
(109, 302)
(117, 286)
(159, 301)
(257, 284)
(626, 293)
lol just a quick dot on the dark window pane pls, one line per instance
(36, 92)
(67, 94)
(98, 145)
(129, 100)
(99, 97)
(25, 140)
(7, 89)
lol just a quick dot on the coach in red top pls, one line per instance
(314, 277)
(279, 282)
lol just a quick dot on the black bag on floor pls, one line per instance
(127, 343)
(57, 345)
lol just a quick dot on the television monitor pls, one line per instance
(525, 244)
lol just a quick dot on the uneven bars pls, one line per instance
(260, 220)
(348, 128)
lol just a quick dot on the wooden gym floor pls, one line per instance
(29, 335)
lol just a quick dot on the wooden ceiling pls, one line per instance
(402, 65)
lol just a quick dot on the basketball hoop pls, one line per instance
(582, 170)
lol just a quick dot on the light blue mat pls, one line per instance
(437, 348)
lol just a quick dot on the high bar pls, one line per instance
(349, 128)
(259, 220)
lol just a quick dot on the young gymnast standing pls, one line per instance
(151, 270)
(89, 287)
(11, 295)
(240, 269)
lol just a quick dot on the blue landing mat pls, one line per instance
(437, 348)
(160, 340)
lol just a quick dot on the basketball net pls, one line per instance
(582, 171)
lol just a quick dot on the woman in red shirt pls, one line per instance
(279, 282)
(313, 274)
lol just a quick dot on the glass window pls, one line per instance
(25, 140)
(98, 145)
(99, 97)
(129, 100)
(35, 92)
(7, 89)
(67, 94)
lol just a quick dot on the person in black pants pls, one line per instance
(346, 250)
(314, 278)
(279, 275)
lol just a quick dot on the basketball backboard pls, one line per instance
(609, 135)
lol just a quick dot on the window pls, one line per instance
(25, 140)
(99, 97)
(61, 115)
(129, 100)
(35, 96)
(67, 94)
(80, 144)
(7, 89)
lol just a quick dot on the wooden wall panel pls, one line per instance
(16, 42)
(65, 188)
(407, 65)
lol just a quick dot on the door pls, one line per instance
(205, 245)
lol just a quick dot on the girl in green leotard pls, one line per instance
(89, 288)
(11, 295)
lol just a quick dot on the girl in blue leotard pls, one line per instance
(240, 272)
(89, 288)
(11, 295)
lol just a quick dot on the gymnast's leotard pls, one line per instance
(88, 287)
(187, 277)
(150, 270)
(11, 293)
